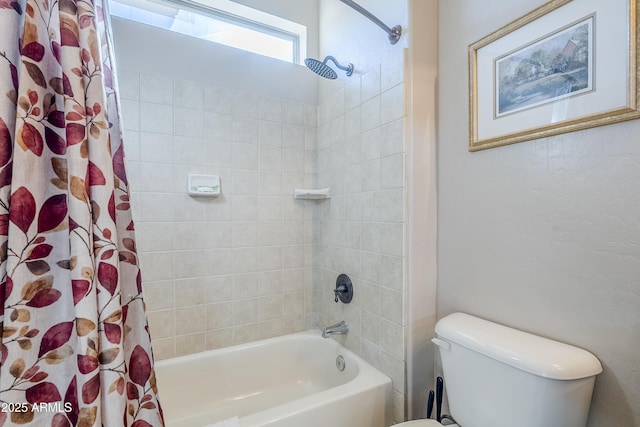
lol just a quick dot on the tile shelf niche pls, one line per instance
(311, 194)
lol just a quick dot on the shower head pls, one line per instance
(323, 70)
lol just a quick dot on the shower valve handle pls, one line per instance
(344, 289)
(340, 290)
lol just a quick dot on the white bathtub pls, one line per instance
(288, 381)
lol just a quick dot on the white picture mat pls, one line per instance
(611, 69)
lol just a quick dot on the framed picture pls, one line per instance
(568, 65)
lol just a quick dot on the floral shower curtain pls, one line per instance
(75, 344)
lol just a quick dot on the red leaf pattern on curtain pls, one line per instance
(74, 327)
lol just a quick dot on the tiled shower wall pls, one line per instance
(361, 232)
(231, 269)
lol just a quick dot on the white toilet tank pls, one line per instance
(496, 376)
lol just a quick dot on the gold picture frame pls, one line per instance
(565, 66)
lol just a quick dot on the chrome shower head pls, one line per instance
(323, 70)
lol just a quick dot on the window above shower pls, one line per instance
(221, 21)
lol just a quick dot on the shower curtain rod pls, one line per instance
(394, 33)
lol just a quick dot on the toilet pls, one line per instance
(496, 376)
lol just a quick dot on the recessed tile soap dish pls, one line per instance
(203, 185)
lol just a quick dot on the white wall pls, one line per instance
(541, 235)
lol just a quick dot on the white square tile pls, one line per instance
(292, 256)
(270, 208)
(154, 236)
(219, 338)
(156, 147)
(219, 261)
(246, 311)
(157, 207)
(163, 348)
(156, 177)
(218, 100)
(392, 104)
(270, 109)
(392, 72)
(393, 305)
(391, 272)
(370, 143)
(190, 343)
(246, 286)
(310, 138)
(352, 95)
(245, 182)
(293, 161)
(188, 208)
(131, 140)
(371, 83)
(161, 324)
(219, 315)
(292, 233)
(156, 118)
(188, 122)
(245, 156)
(220, 208)
(246, 260)
(218, 127)
(269, 133)
(270, 159)
(293, 137)
(371, 114)
(270, 258)
(245, 130)
(270, 184)
(392, 138)
(218, 288)
(392, 171)
(218, 153)
(189, 264)
(246, 234)
(246, 333)
(370, 175)
(188, 150)
(130, 114)
(189, 292)
(159, 295)
(271, 282)
(187, 235)
(271, 307)
(245, 208)
(271, 233)
(129, 84)
(216, 234)
(310, 115)
(391, 205)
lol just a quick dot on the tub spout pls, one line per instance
(340, 328)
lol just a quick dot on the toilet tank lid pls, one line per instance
(527, 352)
